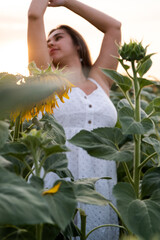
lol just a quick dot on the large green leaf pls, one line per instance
(3, 133)
(16, 149)
(102, 143)
(130, 126)
(54, 129)
(124, 194)
(123, 82)
(151, 182)
(85, 191)
(142, 217)
(20, 203)
(62, 204)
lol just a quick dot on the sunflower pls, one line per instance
(40, 91)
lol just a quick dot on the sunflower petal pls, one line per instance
(52, 190)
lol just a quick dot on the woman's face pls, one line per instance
(61, 47)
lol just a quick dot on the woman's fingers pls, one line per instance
(56, 3)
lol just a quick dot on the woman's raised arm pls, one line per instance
(37, 45)
(112, 34)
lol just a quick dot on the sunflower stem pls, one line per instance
(83, 224)
(39, 230)
(105, 225)
(137, 137)
(17, 128)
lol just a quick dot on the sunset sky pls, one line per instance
(140, 21)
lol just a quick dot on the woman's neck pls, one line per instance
(75, 75)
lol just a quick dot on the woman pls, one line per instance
(89, 105)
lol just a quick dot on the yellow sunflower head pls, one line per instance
(40, 92)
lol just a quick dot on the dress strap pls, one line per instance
(94, 81)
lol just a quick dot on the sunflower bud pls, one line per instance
(132, 51)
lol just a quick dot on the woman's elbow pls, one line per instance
(118, 25)
(33, 15)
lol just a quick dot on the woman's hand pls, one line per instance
(56, 3)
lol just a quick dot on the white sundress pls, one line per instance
(87, 112)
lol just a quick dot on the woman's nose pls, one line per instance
(50, 44)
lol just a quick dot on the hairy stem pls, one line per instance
(17, 128)
(119, 215)
(137, 137)
(83, 224)
(105, 225)
(39, 230)
(128, 173)
(147, 159)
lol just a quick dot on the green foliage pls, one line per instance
(20, 202)
(38, 149)
(134, 143)
(102, 143)
(31, 150)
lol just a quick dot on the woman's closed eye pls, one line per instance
(58, 38)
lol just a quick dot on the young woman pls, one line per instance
(89, 105)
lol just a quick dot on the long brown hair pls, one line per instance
(83, 51)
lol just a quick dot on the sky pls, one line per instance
(140, 21)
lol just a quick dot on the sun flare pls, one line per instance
(14, 57)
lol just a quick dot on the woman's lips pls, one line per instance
(53, 50)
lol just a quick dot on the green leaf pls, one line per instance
(123, 103)
(124, 194)
(144, 82)
(154, 105)
(55, 162)
(140, 216)
(3, 133)
(151, 182)
(20, 203)
(4, 162)
(58, 163)
(154, 143)
(85, 191)
(55, 149)
(11, 232)
(62, 204)
(130, 126)
(33, 69)
(15, 149)
(144, 217)
(123, 82)
(36, 183)
(125, 66)
(102, 143)
(72, 230)
(50, 232)
(33, 143)
(144, 67)
(54, 129)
